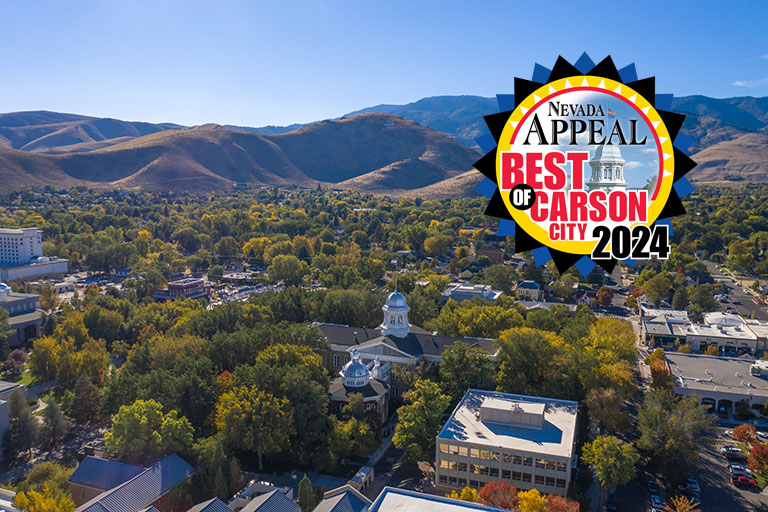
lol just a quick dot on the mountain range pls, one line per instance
(425, 148)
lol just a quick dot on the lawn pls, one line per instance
(24, 378)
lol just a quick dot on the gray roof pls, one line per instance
(212, 505)
(417, 344)
(339, 391)
(142, 490)
(697, 372)
(6, 386)
(103, 474)
(274, 501)
(346, 501)
(350, 336)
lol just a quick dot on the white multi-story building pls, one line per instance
(20, 246)
(526, 441)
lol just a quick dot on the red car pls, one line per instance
(743, 481)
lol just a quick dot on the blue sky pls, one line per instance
(258, 62)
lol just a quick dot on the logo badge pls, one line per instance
(587, 167)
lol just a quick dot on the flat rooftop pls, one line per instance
(715, 374)
(555, 437)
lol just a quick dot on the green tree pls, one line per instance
(703, 296)
(464, 367)
(657, 288)
(306, 495)
(253, 420)
(419, 418)
(83, 406)
(5, 332)
(287, 268)
(55, 424)
(680, 298)
(23, 431)
(613, 462)
(670, 430)
(141, 432)
(352, 437)
(216, 273)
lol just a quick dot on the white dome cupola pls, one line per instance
(395, 316)
(607, 169)
(4, 291)
(355, 373)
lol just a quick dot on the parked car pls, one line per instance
(690, 485)
(656, 502)
(728, 433)
(737, 302)
(739, 469)
(743, 481)
(652, 487)
(730, 451)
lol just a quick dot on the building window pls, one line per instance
(561, 466)
(463, 451)
(335, 360)
(473, 483)
(452, 480)
(541, 463)
(560, 483)
(483, 470)
(506, 474)
(462, 466)
(526, 478)
(551, 481)
(346, 358)
(539, 479)
(517, 476)
(462, 482)
(527, 461)
(474, 453)
(444, 464)
(551, 465)
(473, 468)
(494, 472)
(444, 448)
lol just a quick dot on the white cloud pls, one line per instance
(764, 56)
(751, 83)
(633, 165)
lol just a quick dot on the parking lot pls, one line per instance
(717, 491)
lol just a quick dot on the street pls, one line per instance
(748, 307)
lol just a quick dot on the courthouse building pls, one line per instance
(526, 441)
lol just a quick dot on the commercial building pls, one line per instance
(526, 441)
(25, 315)
(719, 381)
(401, 500)
(186, 288)
(20, 246)
(21, 256)
(466, 291)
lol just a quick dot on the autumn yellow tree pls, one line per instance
(531, 501)
(47, 500)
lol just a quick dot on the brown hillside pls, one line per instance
(370, 152)
(744, 158)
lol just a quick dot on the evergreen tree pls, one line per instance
(220, 485)
(5, 332)
(55, 424)
(306, 495)
(24, 429)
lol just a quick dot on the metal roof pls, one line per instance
(142, 490)
(103, 474)
(274, 501)
(212, 505)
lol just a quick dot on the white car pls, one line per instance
(730, 450)
(728, 433)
